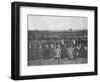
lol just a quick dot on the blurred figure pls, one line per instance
(46, 52)
(34, 51)
(40, 52)
(51, 50)
(63, 52)
(76, 52)
(82, 51)
(70, 51)
(29, 50)
(86, 52)
(58, 53)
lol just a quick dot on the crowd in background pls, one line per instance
(57, 48)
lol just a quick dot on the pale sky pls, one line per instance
(56, 23)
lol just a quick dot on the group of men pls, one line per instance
(56, 48)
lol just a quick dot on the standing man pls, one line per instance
(46, 52)
(70, 52)
(63, 51)
(51, 50)
(58, 53)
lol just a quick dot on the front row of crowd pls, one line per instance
(43, 49)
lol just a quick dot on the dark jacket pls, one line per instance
(82, 52)
(51, 52)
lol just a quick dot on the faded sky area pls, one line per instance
(56, 23)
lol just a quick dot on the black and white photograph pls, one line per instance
(55, 40)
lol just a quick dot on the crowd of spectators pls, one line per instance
(57, 48)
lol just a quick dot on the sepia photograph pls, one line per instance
(56, 40)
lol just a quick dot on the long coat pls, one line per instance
(51, 52)
(40, 53)
(46, 53)
(76, 52)
(63, 52)
(57, 52)
(82, 52)
(70, 53)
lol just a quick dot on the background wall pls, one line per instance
(5, 40)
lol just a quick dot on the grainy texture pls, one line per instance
(57, 40)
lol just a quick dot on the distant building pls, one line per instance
(79, 34)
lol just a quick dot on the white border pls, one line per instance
(54, 69)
